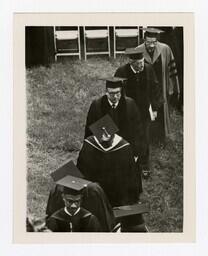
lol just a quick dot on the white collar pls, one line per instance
(67, 212)
(135, 72)
(115, 104)
(116, 140)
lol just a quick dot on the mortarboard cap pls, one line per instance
(114, 82)
(68, 168)
(103, 125)
(152, 32)
(134, 53)
(69, 176)
(121, 212)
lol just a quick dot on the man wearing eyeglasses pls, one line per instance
(160, 56)
(122, 110)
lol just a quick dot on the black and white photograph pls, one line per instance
(104, 130)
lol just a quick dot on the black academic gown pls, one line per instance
(115, 170)
(142, 87)
(94, 200)
(83, 221)
(157, 130)
(126, 116)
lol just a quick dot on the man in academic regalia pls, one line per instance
(108, 159)
(72, 217)
(93, 198)
(160, 56)
(123, 112)
(142, 86)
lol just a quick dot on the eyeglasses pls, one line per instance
(151, 42)
(70, 201)
(112, 93)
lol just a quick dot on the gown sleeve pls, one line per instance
(173, 74)
(90, 119)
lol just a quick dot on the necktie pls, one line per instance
(113, 113)
(137, 76)
(113, 105)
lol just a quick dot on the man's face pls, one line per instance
(150, 43)
(113, 94)
(137, 65)
(72, 202)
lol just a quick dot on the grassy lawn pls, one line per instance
(58, 99)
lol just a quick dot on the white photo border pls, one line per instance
(19, 176)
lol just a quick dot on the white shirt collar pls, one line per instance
(115, 104)
(66, 211)
(135, 72)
